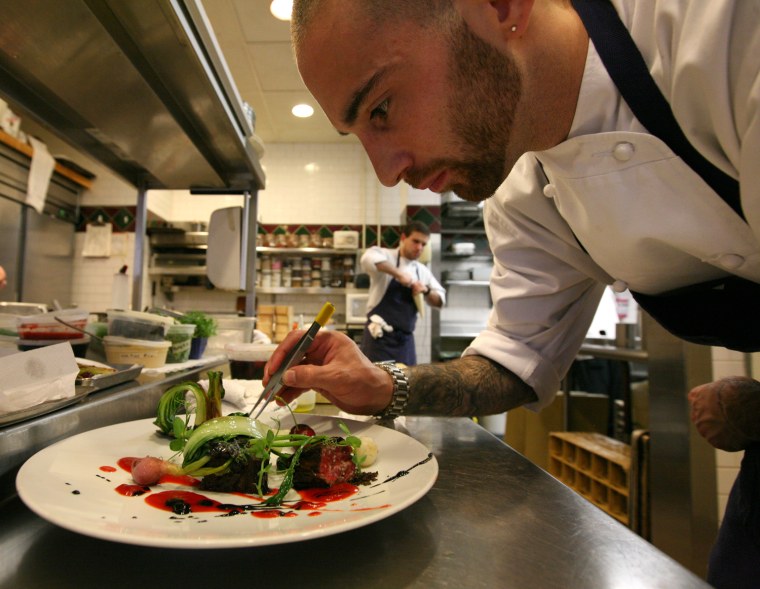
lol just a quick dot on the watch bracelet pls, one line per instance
(400, 391)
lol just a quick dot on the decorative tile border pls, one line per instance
(122, 219)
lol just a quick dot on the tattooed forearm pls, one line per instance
(472, 385)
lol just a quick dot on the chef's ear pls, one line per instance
(496, 21)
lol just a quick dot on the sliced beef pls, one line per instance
(323, 465)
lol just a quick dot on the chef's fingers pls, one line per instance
(354, 386)
(279, 354)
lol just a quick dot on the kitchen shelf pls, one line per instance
(596, 467)
(460, 334)
(479, 283)
(178, 271)
(463, 231)
(291, 251)
(478, 257)
(301, 290)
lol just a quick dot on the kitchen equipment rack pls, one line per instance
(596, 467)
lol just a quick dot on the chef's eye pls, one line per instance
(380, 111)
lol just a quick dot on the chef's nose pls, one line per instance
(389, 161)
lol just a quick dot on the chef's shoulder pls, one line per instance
(373, 256)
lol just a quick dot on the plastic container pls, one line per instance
(181, 337)
(136, 325)
(79, 345)
(230, 329)
(122, 350)
(306, 401)
(44, 326)
(247, 361)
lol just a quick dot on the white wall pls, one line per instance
(307, 183)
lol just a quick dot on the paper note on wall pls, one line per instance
(40, 173)
(97, 241)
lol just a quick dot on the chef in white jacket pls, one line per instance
(398, 281)
(521, 103)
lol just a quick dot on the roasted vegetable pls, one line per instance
(205, 405)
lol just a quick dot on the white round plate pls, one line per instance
(67, 484)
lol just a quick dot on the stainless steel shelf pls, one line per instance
(289, 251)
(178, 271)
(614, 353)
(452, 256)
(302, 290)
(478, 283)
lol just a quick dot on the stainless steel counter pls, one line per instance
(493, 519)
(136, 399)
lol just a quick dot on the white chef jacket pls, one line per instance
(379, 281)
(647, 221)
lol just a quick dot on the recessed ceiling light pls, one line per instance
(281, 9)
(302, 111)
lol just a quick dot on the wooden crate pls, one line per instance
(596, 467)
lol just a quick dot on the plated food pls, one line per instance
(83, 484)
(235, 453)
(91, 370)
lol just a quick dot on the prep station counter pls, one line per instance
(492, 519)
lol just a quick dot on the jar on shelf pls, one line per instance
(291, 240)
(303, 240)
(270, 240)
(336, 280)
(316, 240)
(266, 278)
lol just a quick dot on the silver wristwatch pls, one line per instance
(400, 391)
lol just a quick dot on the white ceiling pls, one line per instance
(257, 48)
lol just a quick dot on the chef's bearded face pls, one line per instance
(468, 134)
(485, 90)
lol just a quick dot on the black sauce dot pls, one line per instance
(75, 492)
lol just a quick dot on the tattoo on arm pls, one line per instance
(468, 386)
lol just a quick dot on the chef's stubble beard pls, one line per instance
(487, 86)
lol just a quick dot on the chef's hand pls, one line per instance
(727, 412)
(418, 287)
(335, 367)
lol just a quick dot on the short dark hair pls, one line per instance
(423, 12)
(417, 226)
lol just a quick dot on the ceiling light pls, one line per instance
(281, 9)
(302, 111)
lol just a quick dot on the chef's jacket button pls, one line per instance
(623, 151)
(619, 286)
(730, 261)
(550, 191)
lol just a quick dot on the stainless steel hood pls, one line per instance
(140, 85)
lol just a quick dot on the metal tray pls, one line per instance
(124, 373)
(43, 408)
